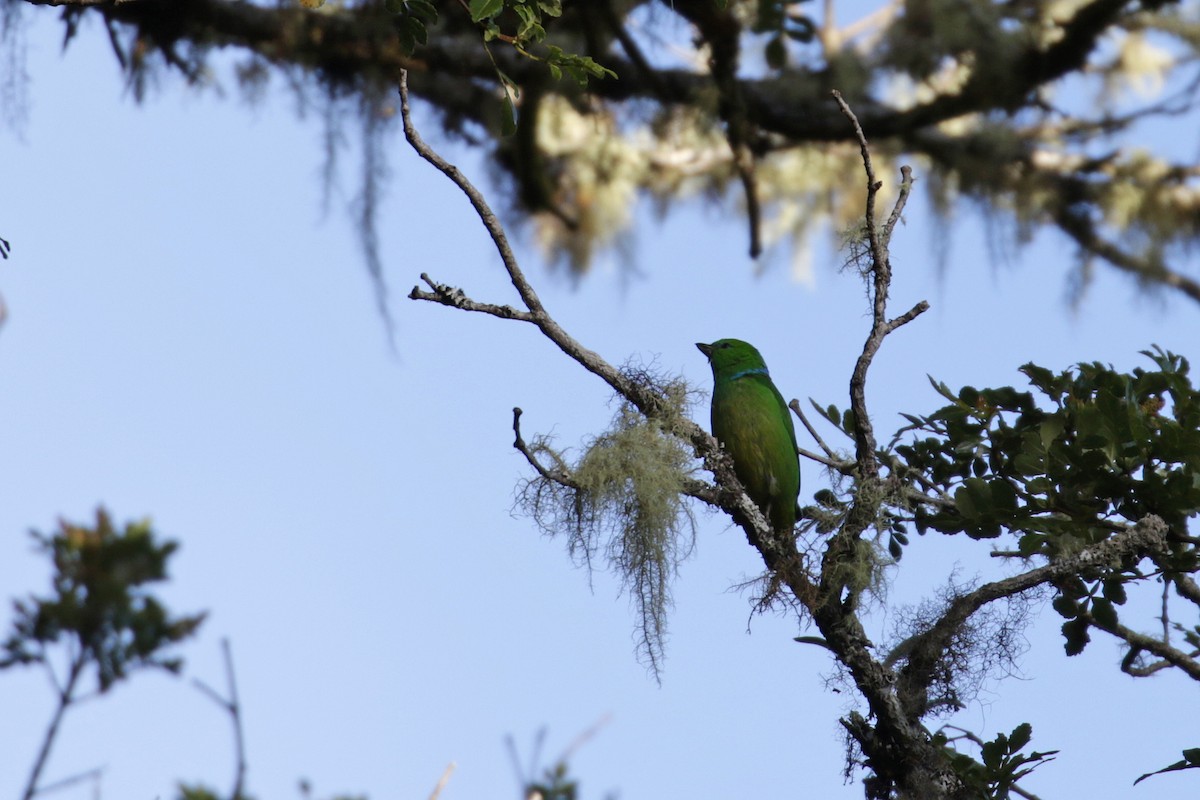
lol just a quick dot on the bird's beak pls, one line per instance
(705, 348)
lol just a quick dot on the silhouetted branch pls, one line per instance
(442, 781)
(233, 707)
(66, 698)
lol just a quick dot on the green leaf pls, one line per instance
(1104, 613)
(1114, 591)
(1191, 760)
(422, 9)
(1030, 543)
(483, 9)
(508, 115)
(1020, 737)
(1040, 377)
(1065, 606)
(1075, 632)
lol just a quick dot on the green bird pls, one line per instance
(753, 424)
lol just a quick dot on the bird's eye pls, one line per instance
(725, 345)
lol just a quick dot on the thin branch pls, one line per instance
(442, 781)
(1129, 665)
(233, 707)
(1141, 642)
(644, 399)
(630, 46)
(1166, 617)
(66, 783)
(844, 467)
(583, 738)
(879, 257)
(66, 698)
(881, 272)
(906, 182)
(808, 426)
(447, 295)
(560, 476)
(1149, 536)
(743, 162)
(1076, 224)
(907, 317)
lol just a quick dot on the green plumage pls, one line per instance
(752, 422)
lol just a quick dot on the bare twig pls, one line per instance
(446, 295)
(832, 463)
(91, 774)
(1166, 616)
(644, 399)
(1144, 539)
(66, 698)
(808, 426)
(1186, 662)
(560, 476)
(743, 161)
(233, 707)
(442, 781)
(864, 434)
(585, 736)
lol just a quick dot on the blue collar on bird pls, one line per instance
(745, 372)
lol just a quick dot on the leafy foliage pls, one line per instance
(1190, 760)
(530, 31)
(1097, 450)
(1001, 764)
(412, 20)
(98, 603)
(1110, 447)
(526, 22)
(953, 83)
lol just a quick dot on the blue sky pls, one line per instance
(189, 338)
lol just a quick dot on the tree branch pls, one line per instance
(1141, 642)
(233, 707)
(808, 426)
(728, 493)
(881, 278)
(66, 698)
(644, 399)
(1148, 537)
(561, 475)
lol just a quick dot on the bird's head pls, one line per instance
(729, 357)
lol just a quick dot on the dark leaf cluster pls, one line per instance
(1094, 449)
(1063, 467)
(98, 602)
(1001, 764)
